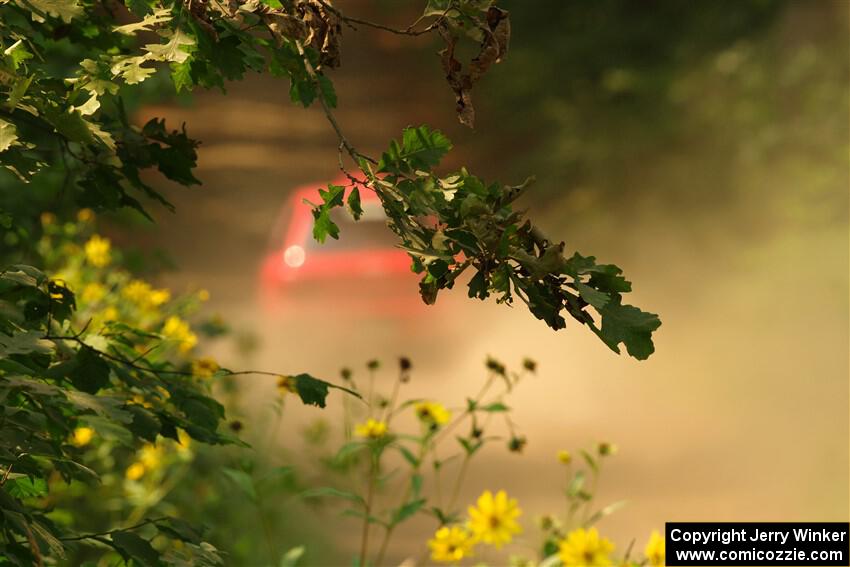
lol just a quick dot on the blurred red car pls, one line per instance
(364, 269)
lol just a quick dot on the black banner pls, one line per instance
(754, 543)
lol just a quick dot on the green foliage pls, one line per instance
(450, 223)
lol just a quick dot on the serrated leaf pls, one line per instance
(8, 135)
(323, 226)
(174, 50)
(27, 487)
(421, 149)
(66, 10)
(159, 16)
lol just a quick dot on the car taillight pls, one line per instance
(294, 256)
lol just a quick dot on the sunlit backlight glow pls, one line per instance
(294, 256)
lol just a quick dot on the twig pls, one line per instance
(409, 30)
(110, 532)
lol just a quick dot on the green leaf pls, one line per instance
(159, 16)
(27, 487)
(131, 546)
(24, 343)
(323, 226)
(294, 555)
(243, 482)
(471, 447)
(594, 297)
(66, 10)
(71, 125)
(8, 135)
(420, 149)
(175, 50)
(408, 455)
(478, 285)
(312, 391)
(89, 372)
(628, 325)
(354, 204)
(104, 406)
(495, 407)
(180, 529)
(406, 511)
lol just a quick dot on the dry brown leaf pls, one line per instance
(494, 47)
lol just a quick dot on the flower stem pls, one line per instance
(370, 493)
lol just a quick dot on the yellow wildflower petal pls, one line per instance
(98, 251)
(204, 367)
(82, 436)
(371, 429)
(451, 544)
(135, 471)
(655, 550)
(493, 519)
(586, 549)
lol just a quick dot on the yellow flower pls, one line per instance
(47, 218)
(178, 330)
(451, 544)
(432, 413)
(93, 293)
(82, 436)
(85, 215)
(493, 520)
(654, 549)
(159, 296)
(136, 291)
(135, 471)
(203, 295)
(205, 367)
(150, 456)
(98, 251)
(110, 314)
(140, 400)
(142, 294)
(584, 548)
(565, 457)
(184, 442)
(372, 429)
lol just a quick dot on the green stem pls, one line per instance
(370, 493)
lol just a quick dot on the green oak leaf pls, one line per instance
(628, 325)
